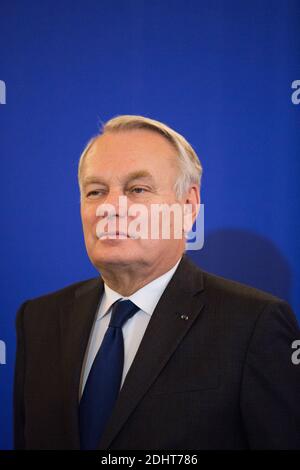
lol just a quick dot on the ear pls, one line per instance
(191, 207)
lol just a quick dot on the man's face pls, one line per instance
(138, 164)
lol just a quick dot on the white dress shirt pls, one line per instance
(146, 299)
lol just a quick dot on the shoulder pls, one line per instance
(237, 300)
(51, 301)
(222, 288)
(234, 291)
(67, 293)
(243, 315)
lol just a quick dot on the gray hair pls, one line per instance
(189, 165)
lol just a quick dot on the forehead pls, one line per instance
(125, 147)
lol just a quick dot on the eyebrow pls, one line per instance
(139, 174)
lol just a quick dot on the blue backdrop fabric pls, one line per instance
(219, 72)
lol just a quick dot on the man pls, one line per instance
(195, 362)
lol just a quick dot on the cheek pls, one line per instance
(89, 221)
(88, 215)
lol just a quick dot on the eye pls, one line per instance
(93, 193)
(138, 190)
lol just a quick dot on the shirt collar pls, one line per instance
(145, 298)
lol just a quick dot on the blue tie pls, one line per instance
(104, 380)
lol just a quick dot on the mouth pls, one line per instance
(113, 235)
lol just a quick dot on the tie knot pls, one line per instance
(121, 312)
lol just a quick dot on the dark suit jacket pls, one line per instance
(220, 377)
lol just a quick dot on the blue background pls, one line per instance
(219, 72)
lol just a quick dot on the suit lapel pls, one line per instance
(76, 323)
(164, 333)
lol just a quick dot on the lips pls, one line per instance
(113, 235)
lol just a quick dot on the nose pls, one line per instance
(115, 205)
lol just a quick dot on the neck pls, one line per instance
(128, 279)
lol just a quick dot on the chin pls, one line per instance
(116, 253)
